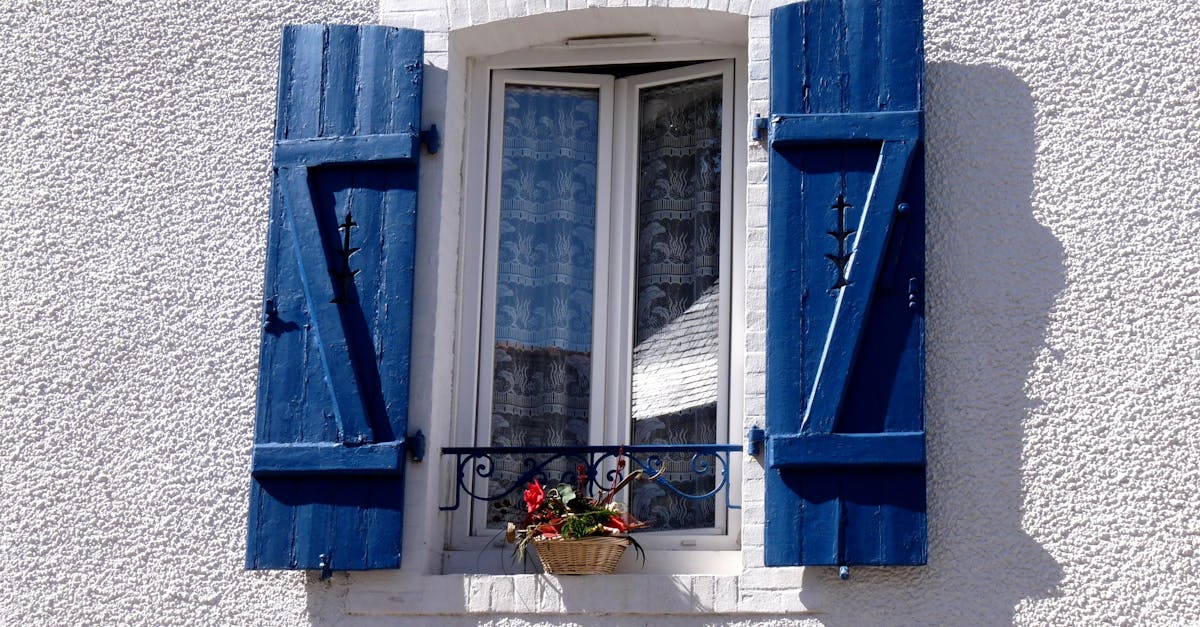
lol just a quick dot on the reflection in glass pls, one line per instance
(677, 314)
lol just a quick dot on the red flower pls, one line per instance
(534, 495)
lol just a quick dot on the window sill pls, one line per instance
(499, 561)
(756, 591)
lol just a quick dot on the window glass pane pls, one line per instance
(542, 355)
(676, 370)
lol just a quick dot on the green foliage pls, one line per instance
(585, 524)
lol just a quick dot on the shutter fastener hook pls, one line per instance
(843, 572)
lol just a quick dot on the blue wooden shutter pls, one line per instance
(845, 327)
(327, 485)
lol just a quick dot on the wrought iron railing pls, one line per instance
(678, 464)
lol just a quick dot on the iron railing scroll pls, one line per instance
(674, 464)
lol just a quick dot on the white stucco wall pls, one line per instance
(1063, 318)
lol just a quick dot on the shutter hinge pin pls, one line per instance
(754, 441)
(758, 131)
(431, 139)
(415, 444)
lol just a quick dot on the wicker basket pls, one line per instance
(593, 555)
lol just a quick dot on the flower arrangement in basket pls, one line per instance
(575, 534)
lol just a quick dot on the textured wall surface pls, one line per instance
(1063, 308)
(133, 199)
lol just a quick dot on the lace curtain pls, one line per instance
(542, 355)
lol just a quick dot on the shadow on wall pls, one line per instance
(993, 275)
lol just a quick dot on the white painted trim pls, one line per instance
(460, 540)
(723, 535)
(585, 57)
(774, 591)
(498, 557)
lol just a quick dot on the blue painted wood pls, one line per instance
(853, 300)
(327, 487)
(811, 450)
(324, 307)
(328, 458)
(841, 128)
(399, 147)
(845, 351)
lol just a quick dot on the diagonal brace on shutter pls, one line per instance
(854, 299)
(899, 133)
(348, 406)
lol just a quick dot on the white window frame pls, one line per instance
(673, 551)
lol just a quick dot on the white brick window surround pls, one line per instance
(619, 399)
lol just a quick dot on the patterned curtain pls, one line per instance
(677, 326)
(542, 355)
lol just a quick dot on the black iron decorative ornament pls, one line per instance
(345, 275)
(841, 259)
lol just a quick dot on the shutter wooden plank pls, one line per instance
(823, 33)
(902, 56)
(820, 518)
(304, 80)
(374, 83)
(327, 488)
(399, 85)
(862, 55)
(788, 59)
(340, 85)
(845, 341)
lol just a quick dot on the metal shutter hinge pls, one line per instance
(758, 129)
(431, 139)
(415, 444)
(755, 438)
